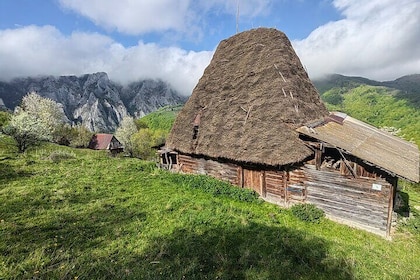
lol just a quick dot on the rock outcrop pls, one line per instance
(93, 99)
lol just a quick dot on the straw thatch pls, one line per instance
(248, 103)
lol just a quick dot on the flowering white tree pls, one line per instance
(125, 132)
(26, 130)
(36, 119)
(46, 110)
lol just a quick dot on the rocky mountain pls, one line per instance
(93, 99)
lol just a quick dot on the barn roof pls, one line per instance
(100, 141)
(368, 143)
(248, 103)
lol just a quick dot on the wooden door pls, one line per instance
(253, 179)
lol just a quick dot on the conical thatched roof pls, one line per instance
(248, 103)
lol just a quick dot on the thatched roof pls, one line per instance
(248, 103)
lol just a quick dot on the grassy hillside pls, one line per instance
(162, 119)
(79, 214)
(383, 104)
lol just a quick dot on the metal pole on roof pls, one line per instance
(237, 16)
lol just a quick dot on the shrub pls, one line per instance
(215, 187)
(60, 155)
(307, 212)
(4, 118)
(79, 136)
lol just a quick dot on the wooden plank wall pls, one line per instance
(346, 199)
(275, 182)
(253, 179)
(296, 188)
(351, 200)
(223, 171)
(285, 187)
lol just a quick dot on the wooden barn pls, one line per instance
(256, 120)
(104, 141)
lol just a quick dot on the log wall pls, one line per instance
(275, 183)
(361, 202)
(365, 203)
(223, 171)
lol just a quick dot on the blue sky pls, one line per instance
(174, 40)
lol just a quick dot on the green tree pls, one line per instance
(4, 118)
(143, 143)
(334, 96)
(141, 123)
(80, 136)
(125, 132)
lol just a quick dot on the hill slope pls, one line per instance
(393, 104)
(121, 218)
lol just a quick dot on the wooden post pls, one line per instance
(318, 157)
(262, 184)
(390, 210)
(240, 176)
(285, 187)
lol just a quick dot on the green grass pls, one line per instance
(90, 216)
(379, 106)
(162, 119)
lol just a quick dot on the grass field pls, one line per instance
(80, 214)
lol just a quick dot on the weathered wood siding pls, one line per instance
(285, 187)
(253, 179)
(223, 171)
(275, 184)
(362, 202)
(354, 201)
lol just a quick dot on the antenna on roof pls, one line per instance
(237, 16)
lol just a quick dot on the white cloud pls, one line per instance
(33, 50)
(134, 16)
(378, 39)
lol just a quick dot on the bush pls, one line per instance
(308, 212)
(215, 187)
(80, 136)
(4, 118)
(60, 155)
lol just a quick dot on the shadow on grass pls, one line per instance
(402, 204)
(63, 245)
(254, 251)
(103, 242)
(10, 173)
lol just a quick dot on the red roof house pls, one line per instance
(103, 141)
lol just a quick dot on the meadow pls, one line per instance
(79, 214)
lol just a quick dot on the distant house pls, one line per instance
(256, 120)
(103, 141)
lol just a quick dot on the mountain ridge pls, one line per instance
(404, 83)
(93, 99)
(99, 103)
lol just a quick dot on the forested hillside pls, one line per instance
(392, 105)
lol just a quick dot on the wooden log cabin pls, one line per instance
(256, 120)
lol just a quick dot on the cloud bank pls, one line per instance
(378, 39)
(33, 50)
